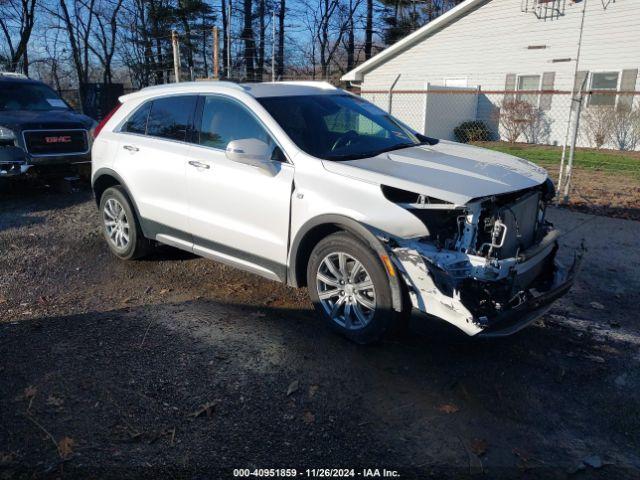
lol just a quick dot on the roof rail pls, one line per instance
(13, 75)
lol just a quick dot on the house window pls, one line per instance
(529, 82)
(604, 81)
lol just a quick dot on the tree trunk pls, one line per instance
(351, 41)
(249, 43)
(223, 6)
(261, 33)
(368, 31)
(280, 56)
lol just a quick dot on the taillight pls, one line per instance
(103, 122)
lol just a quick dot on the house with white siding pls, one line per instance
(500, 47)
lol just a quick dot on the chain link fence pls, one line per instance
(589, 141)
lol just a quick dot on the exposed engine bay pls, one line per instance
(488, 266)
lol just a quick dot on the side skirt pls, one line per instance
(214, 251)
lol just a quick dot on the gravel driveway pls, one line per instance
(178, 366)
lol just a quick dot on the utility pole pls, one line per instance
(229, 43)
(561, 174)
(176, 55)
(273, 46)
(216, 75)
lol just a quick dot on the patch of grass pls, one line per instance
(627, 163)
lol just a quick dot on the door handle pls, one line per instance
(131, 148)
(195, 163)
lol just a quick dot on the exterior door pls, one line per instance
(152, 161)
(236, 211)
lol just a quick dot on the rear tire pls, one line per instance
(120, 226)
(350, 289)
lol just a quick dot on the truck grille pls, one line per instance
(56, 142)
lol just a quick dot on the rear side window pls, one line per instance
(171, 117)
(137, 123)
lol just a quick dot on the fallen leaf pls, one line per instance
(479, 446)
(163, 291)
(206, 408)
(30, 392)
(65, 447)
(54, 401)
(597, 306)
(448, 408)
(293, 387)
(309, 418)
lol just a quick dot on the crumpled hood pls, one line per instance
(449, 171)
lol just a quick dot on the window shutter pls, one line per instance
(548, 78)
(627, 84)
(581, 77)
(509, 85)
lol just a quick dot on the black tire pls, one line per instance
(137, 245)
(382, 318)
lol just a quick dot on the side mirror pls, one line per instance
(253, 152)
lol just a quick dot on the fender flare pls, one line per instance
(360, 231)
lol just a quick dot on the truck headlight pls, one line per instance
(6, 135)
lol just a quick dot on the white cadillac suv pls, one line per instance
(307, 184)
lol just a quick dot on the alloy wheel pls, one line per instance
(116, 224)
(346, 290)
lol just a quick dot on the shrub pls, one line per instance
(597, 124)
(472, 131)
(515, 117)
(625, 128)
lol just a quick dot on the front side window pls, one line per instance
(224, 120)
(29, 97)
(604, 81)
(137, 123)
(529, 82)
(171, 117)
(338, 127)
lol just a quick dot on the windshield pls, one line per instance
(339, 127)
(29, 96)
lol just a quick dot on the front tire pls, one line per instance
(349, 288)
(120, 226)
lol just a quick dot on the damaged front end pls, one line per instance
(488, 267)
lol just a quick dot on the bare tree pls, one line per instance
(78, 22)
(17, 16)
(328, 22)
(105, 34)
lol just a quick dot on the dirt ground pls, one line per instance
(175, 366)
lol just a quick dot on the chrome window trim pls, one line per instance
(118, 129)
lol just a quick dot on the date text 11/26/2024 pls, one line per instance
(316, 473)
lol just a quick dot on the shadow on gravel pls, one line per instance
(205, 386)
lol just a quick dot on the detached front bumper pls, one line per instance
(483, 298)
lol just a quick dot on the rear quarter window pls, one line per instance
(137, 122)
